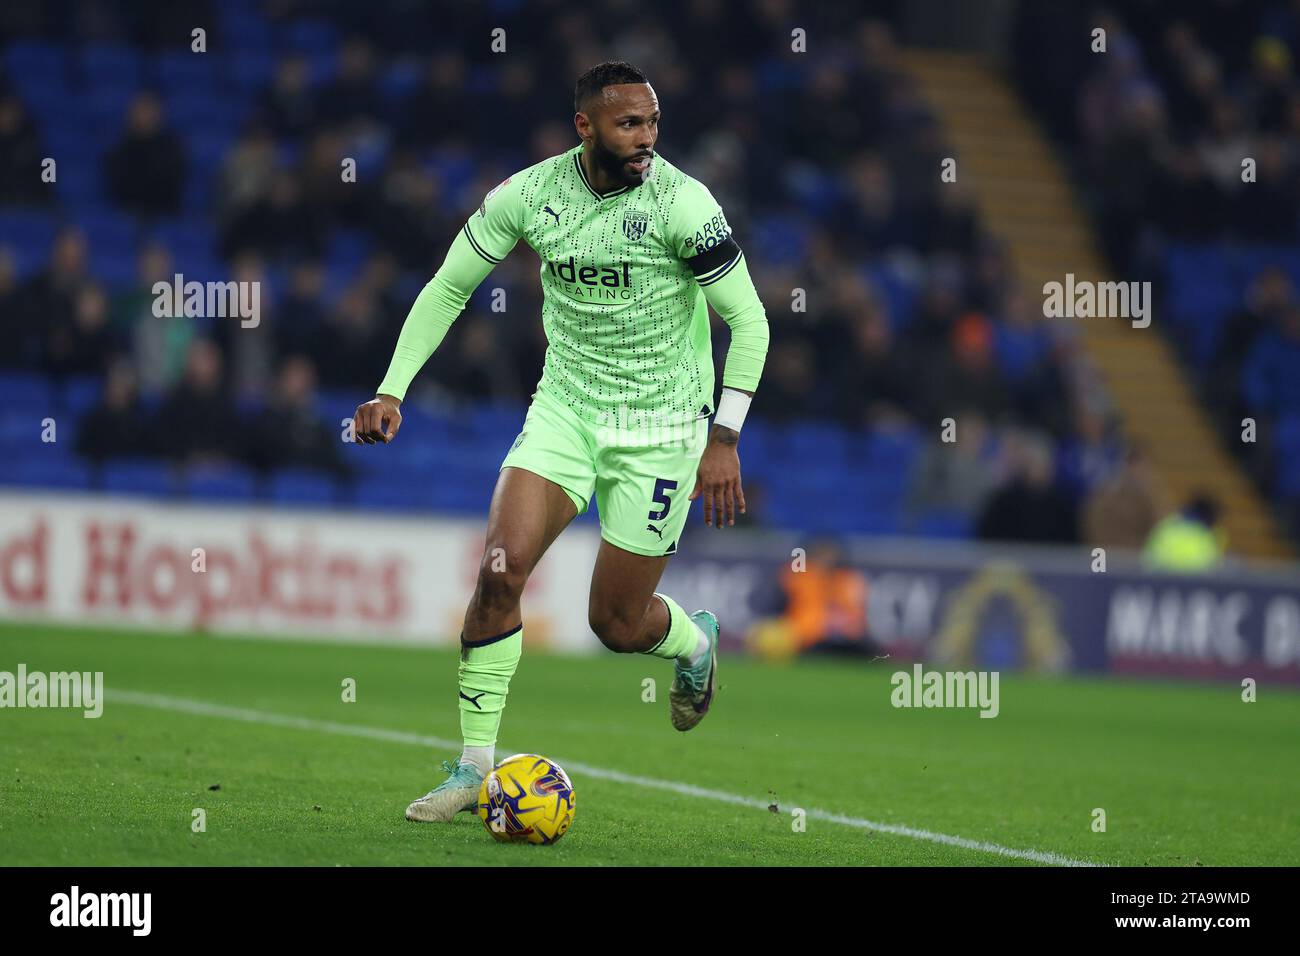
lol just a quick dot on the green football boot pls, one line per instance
(458, 792)
(693, 687)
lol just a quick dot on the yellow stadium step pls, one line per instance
(1025, 198)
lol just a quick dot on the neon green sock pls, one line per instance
(485, 670)
(682, 633)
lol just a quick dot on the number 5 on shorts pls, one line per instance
(662, 487)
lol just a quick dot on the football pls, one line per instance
(526, 799)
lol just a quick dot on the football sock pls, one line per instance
(701, 648)
(481, 757)
(485, 670)
(683, 638)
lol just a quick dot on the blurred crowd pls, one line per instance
(907, 311)
(1161, 125)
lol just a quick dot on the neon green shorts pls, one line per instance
(642, 477)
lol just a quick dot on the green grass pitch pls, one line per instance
(1186, 774)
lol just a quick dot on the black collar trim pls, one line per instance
(582, 173)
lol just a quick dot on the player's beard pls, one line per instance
(615, 166)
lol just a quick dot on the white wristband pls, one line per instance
(732, 408)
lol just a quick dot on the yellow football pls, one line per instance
(526, 799)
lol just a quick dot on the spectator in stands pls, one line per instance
(158, 347)
(1121, 512)
(1031, 507)
(350, 100)
(248, 172)
(953, 478)
(302, 310)
(49, 298)
(1271, 373)
(1188, 540)
(409, 217)
(20, 156)
(875, 221)
(21, 338)
(1267, 210)
(278, 226)
(441, 94)
(967, 376)
(146, 170)
(789, 381)
(117, 426)
(478, 368)
(197, 423)
(1088, 455)
(290, 106)
(289, 433)
(873, 387)
(353, 347)
(79, 344)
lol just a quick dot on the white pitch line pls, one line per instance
(206, 709)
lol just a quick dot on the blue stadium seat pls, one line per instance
(108, 107)
(107, 226)
(300, 486)
(80, 393)
(888, 449)
(306, 35)
(943, 524)
(63, 472)
(138, 476)
(188, 240)
(402, 491)
(250, 68)
(80, 183)
(221, 484)
(28, 234)
(36, 64)
(1286, 440)
(898, 291)
(497, 422)
(176, 70)
(398, 81)
(104, 64)
(780, 239)
(244, 31)
(26, 391)
(815, 444)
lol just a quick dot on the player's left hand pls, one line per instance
(718, 479)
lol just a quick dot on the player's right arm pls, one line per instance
(485, 240)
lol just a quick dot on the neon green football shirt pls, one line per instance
(627, 278)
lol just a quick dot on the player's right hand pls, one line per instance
(377, 420)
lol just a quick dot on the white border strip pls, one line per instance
(205, 709)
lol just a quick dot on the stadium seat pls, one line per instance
(943, 524)
(780, 239)
(898, 290)
(309, 36)
(175, 70)
(303, 487)
(104, 64)
(79, 393)
(43, 471)
(26, 390)
(221, 484)
(402, 491)
(138, 476)
(32, 64)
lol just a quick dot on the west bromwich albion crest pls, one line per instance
(634, 224)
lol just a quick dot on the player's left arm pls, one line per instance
(718, 264)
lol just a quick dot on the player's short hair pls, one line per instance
(609, 73)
